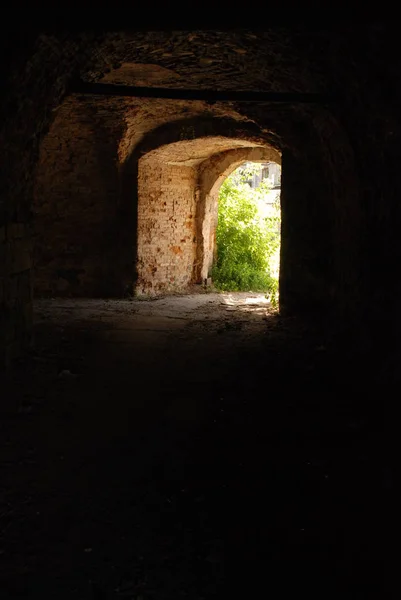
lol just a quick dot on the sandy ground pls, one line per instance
(187, 447)
(249, 308)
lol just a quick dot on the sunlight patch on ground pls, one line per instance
(243, 298)
(246, 302)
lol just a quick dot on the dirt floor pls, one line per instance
(187, 447)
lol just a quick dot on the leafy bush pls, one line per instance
(247, 240)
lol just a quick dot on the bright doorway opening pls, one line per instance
(247, 252)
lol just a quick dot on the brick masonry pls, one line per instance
(75, 203)
(166, 226)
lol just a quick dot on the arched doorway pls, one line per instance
(176, 167)
(247, 237)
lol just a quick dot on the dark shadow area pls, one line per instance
(253, 462)
(207, 451)
(128, 222)
(76, 220)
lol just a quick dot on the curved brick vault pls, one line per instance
(119, 203)
(78, 156)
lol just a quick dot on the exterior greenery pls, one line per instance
(247, 236)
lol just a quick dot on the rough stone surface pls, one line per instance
(75, 202)
(329, 148)
(166, 226)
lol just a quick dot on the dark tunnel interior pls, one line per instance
(160, 439)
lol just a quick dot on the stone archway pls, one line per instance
(178, 188)
(212, 173)
(170, 167)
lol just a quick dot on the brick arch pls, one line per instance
(167, 164)
(199, 126)
(211, 175)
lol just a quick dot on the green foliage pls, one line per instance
(247, 238)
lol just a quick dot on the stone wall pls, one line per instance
(76, 199)
(35, 76)
(307, 244)
(166, 226)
